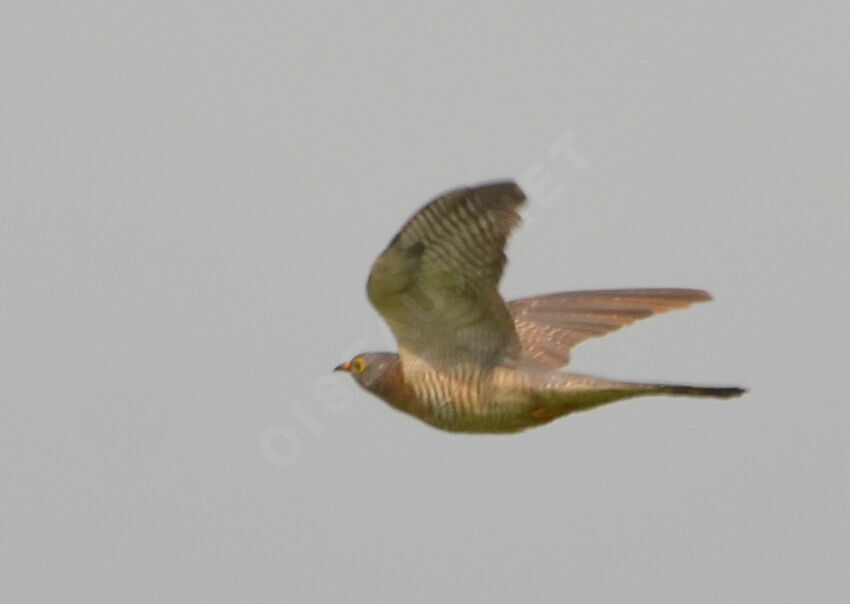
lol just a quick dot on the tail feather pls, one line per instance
(571, 392)
(712, 391)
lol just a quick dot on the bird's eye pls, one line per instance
(359, 365)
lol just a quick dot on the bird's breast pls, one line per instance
(464, 397)
(456, 392)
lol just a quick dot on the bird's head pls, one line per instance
(374, 371)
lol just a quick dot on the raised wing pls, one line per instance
(549, 326)
(436, 283)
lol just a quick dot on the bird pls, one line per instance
(468, 361)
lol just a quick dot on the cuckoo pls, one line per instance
(470, 362)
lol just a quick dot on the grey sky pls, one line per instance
(192, 199)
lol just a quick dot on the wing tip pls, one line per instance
(677, 297)
(700, 295)
(504, 190)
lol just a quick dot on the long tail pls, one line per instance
(570, 392)
(711, 391)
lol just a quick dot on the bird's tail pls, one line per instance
(709, 391)
(571, 392)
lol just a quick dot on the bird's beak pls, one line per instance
(343, 367)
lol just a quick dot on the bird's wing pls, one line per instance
(436, 283)
(549, 326)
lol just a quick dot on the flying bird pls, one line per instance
(470, 362)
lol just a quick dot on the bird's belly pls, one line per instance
(470, 401)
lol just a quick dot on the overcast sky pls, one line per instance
(193, 196)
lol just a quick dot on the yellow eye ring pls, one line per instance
(358, 365)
